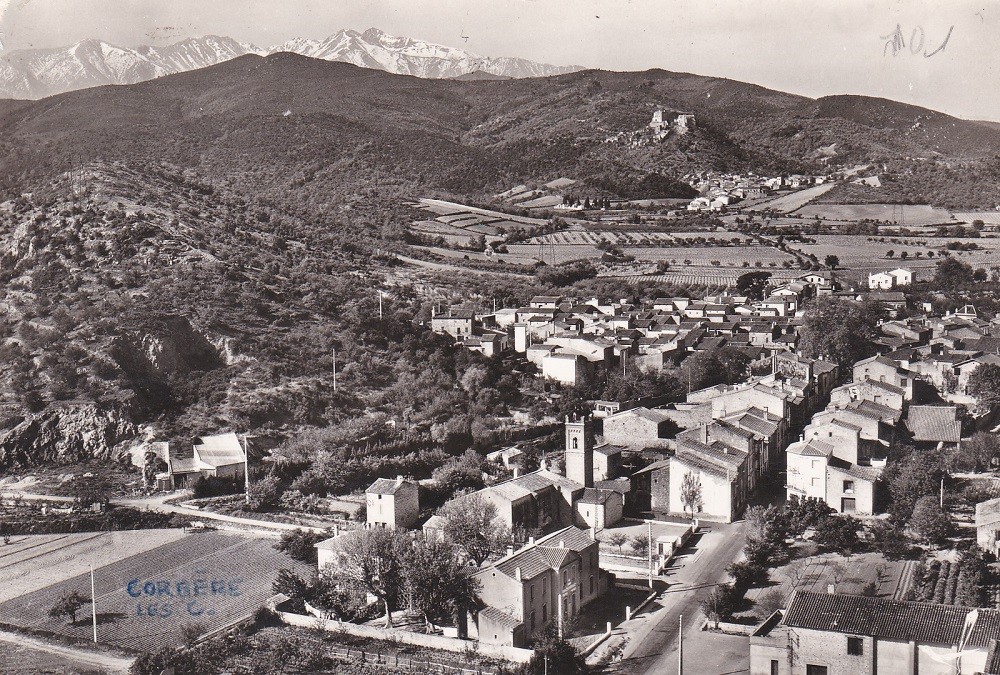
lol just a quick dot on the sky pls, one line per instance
(889, 48)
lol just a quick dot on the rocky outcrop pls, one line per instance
(67, 433)
(174, 346)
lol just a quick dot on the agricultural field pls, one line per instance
(860, 252)
(590, 238)
(904, 214)
(988, 217)
(32, 562)
(234, 574)
(793, 201)
(543, 202)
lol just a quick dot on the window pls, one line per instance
(815, 482)
(849, 487)
(774, 667)
(575, 443)
(591, 583)
(855, 646)
(531, 592)
(815, 670)
(532, 621)
(545, 613)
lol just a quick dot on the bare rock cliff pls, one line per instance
(67, 433)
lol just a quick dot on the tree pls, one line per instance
(952, 272)
(972, 578)
(888, 539)
(438, 584)
(753, 284)
(977, 453)
(68, 605)
(930, 521)
(90, 491)
(265, 494)
(984, 385)
(618, 539)
(767, 525)
(831, 261)
(720, 604)
(768, 603)
(374, 560)
(840, 330)
(640, 545)
(472, 524)
(838, 533)
(911, 477)
(300, 544)
(691, 493)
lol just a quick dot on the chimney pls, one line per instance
(517, 471)
(704, 434)
(510, 550)
(562, 543)
(531, 540)
(517, 573)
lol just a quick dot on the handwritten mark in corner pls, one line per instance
(896, 42)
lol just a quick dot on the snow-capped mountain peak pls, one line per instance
(36, 73)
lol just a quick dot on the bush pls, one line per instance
(217, 486)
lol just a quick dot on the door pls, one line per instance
(815, 670)
(848, 505)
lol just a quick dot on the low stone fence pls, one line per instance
(732, 628)
(448, 644)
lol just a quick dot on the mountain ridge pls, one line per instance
(38, 73)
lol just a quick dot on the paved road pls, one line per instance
(653, 649)
(103, 661)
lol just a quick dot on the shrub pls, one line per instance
(216, 486)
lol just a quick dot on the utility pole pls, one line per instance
(649, 564)
(246, 469)
(380, 304)
(680, 645)
(334, 370)
(942, 493)
(93, 602)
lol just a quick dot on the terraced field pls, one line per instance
(234, 575)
